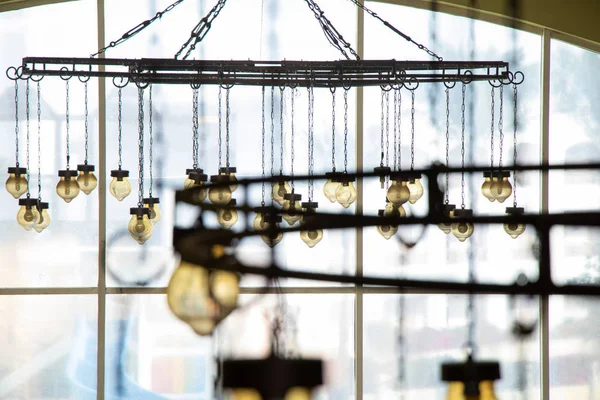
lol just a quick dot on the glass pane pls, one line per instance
(130, 264)
(574, 367)
(573, 126)
(161, 357)
(47, 353)
(496, 256)
(435, 331)
(66, 253)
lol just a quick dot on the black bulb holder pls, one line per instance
(401, 176)
(471, 372)
(227, 170)
(42, 206)
(86, 168)
(68, 173)
(18, 171)
(334, 176)
(29, 203)
(139, 211)
(383, 172)
(119, 174)
(151, 201)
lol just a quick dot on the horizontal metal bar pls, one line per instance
(48, 290)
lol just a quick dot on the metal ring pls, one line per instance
(493, 84)
(84, 79)
(412, 81)
(508, 80)
(124, 82)
(466, 78)
(12, 71)
(332, 88)
(36, 80)
(64, 76)
(518, 78)
(449, 84)
(195, 86)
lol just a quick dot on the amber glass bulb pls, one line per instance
(387, 231)
(398, 193)
(155, 212)
(44, 221)
(297, 393)
(119, 188)
(227, 217)
(202, 326)
(16, 185)
(259, 223)
(280, 189)
(67, 188)
(188, 294)
(190, 183)
(272, 241)
(330, 189)
(346, 194)
(501, 189)
(290, 211)
(245, 394)
(416, 190)
(87, 181)
(28, 217)
(219, 196)
(225, 287)
(233, 186)
(462, 230)
(140, 228)
(446, 228)
(514, 229)
(486, 189)
(456, 391)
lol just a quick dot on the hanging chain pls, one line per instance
(68, 124)
(27, 118)
(501, 125)
(382, 126)
(120, 129)
(220, 127)
(387, 129)
(227, 136)
(195, 127)
(447, 200)
(86, 120)
(462, 146)
(39, 141)
(311, 142)
(515, 126)
(346, 130)
(281, 100)
(399, 129)
(471, 317)
(137, 29)
(332, 90)
(412, 131)
(17, 123)
(150, 135)
(292, 138)
(390, 26)
(263, 148)
(493, 93)
(141, 147)
(396, 128)
(272, 132)
(201, 30)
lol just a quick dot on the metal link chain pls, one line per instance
(272, 132)
(201, 29)
(151, 137)
(227, 136)
(293, 90)
(220, 140)
(501, 125)
(387, 129)
(86, 119)
(462, 146)
(412, 131)
(390, 26)
(137, 29)
(471, 317)
(346, 130)
(332, 90)
(515, 126)
(39, 141)
(141, 147)
(27, 119)
(68, 124)
(311, 142)
(382, 126)
(195, 127)
(396, 129)
(447, 200)
(399, 129)
(493, 94)
(120, 129)
(263, 148)
(281, 130)
(17, 123)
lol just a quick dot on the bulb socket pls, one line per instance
(86, 168)
(313, 205)
(42, 206)
(487, 174)
(401, 176)
(272, 218)
(151, 200)
(198, 177)
(383, 172)
(293, 197)
(28, 202)
(471, 371)
(139, 211)
(500, 174)
(345, 179)
(189, 171)
(447, 208)
(18, 171)
(413, 176)
(463, 213)
(68, 173)
(334, 176)
(380, 212)
(220, 179)
(119, 174)
(515, 210)
(227, 170)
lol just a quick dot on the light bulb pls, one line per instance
(416, 190)
(230, 173)
(387, 231)
(346, 194)
(140, 227)
(245, 394)
(225, 287)
(291, 207)
(86, 180)
(219, 195)
(67, 187)
(152, 204)
(501, 188)
(448, 210)
(119, 187)
(195, 179)
(16, 184)
(259, 223)
(398, 193)
(462, 230)
(44, 220)
(202, 326)
(227, 217)
(310, 236)
(297, 393)
(514, 229)
(28, 215)
(262, 223)
(280, 189)
(486, 187)
(456, 391)
(330, 189)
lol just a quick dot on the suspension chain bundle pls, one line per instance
(141, 147)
